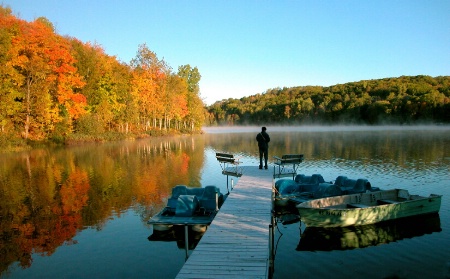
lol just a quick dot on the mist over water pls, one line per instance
(324, 128)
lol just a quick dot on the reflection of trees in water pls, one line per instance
(46, 196)
(41, 213)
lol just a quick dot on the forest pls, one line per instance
(57, 88)
(403, 100)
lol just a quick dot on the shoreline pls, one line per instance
(79, 139)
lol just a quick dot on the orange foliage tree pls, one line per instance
(43, 74)
(176, 100)
(148, 85)
(50, 86)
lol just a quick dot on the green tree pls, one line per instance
(196, 107)
(191, 76)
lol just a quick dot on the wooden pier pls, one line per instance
(237, 243)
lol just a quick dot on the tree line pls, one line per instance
(402, 100)
(56, 87)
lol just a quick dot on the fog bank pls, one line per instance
(324, 128)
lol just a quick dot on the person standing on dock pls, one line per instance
(263, 145)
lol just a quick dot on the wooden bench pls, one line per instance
(291, 160)
(229, 165)
(225, 160)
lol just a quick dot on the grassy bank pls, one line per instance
(15, 144)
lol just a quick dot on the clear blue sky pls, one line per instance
(245, 47)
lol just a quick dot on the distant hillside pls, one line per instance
(402, 100)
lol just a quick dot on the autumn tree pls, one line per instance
(107, 80)
(45, 76)
(176, 100)
(52, 86)
(9, 92)
(148, 85)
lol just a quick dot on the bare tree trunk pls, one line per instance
(28, 110)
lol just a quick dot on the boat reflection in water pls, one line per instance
(187, 237)
(345, 238)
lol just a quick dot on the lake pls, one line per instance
(82, 211)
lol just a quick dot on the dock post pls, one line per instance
(271, 249)
(186, 241)
(272, 234)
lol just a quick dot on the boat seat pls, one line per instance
(386, 202)
(361, 186)
(356, 205)
(340, 180)
(316, 179)
(210, 199)
(305, 179)
(195, 191)
(327, 190)
(186, 205)
(348, 184)
(308, 187)
(179, 190)
(173, 200)
(286, 186)
(300, 177)
(309, 183)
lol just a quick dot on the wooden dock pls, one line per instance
(236, 244)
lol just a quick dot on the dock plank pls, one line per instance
(236, 244)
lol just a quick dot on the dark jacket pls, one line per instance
(263, 140)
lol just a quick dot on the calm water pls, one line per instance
(82, 211)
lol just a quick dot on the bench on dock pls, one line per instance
(292, 160)
(229, 164)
